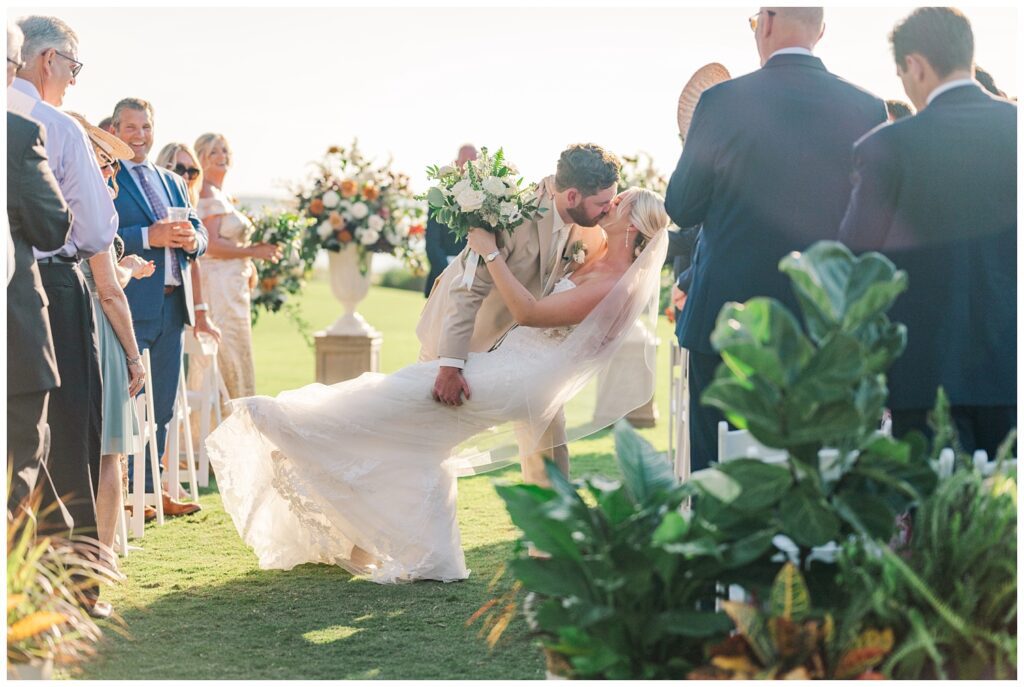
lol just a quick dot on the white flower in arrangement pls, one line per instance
(360, 210)
(369, 237)
(297, 271)
(507, 209)
(510, 182)
(331, 199)
(391, 237)
(375, 223)
(512, 169)
(324, 230)
(495, 186)
(470, 200)
(345, 205)
(461, 186)
(403, 226)
(446, 170)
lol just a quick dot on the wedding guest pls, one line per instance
(161, 306)
(39, 219)
(442, 246)
(897, 109)
(937, 193)
(987, 82)
(183, 161)
(228, 267)
(766, 169)
(105, 124)
(51, 65)
(120, 360)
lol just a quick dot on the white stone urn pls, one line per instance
(350, 287)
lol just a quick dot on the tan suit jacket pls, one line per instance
(457, 321)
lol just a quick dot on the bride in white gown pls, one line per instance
(359, 474)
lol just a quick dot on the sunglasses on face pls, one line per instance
(753, 19)
(189, 173)
(77, 65)
(17, 65)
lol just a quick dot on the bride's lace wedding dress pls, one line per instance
(358, 474)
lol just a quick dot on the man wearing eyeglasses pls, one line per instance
(50, 57)
(766, 170)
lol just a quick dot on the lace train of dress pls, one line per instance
(359, 474)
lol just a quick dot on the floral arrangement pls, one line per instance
(484, 193)
(277, 282)
(353, 202)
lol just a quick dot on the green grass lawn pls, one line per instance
(197, 606)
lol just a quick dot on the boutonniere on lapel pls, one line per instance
(576, 255)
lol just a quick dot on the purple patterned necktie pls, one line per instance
(159, 208)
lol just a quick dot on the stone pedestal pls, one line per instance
(340, 357)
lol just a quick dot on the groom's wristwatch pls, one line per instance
(490, 257)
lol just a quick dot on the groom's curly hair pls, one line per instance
(587, 167)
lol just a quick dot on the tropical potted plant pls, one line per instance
(46, 625)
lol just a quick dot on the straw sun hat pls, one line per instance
(110, 144)
(704, 78)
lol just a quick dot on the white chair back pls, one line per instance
(206, 400)
(180, 425)
(147, 419)
(679, 410)
(739, 443)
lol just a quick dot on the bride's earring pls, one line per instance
(627, 237)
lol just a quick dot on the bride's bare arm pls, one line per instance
(556, 310)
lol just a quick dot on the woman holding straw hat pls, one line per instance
(120, 360)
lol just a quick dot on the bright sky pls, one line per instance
(283, 84)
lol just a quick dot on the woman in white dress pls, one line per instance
(359, 474)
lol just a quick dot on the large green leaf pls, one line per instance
(761, 484)
(874, 285)
(716, 484)
(748, 405)
(789, 596)
(807, 518)
(672, 528)
(819, 276)
(644, 470)
(527, 505)
(748, 549)
(831, 373)
(760, 337)
(551, 577)
(866, 513)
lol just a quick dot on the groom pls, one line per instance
(457, 321)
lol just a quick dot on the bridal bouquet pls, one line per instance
(277, 282)
(485, 193)
(353, 202)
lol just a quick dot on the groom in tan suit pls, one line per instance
(457, 321)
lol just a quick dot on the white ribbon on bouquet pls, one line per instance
(469, 273)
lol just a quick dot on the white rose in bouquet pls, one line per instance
(331, 199)
(460, 186)
(369, 237)
(507, 209)
(375, 223)
(496, 187)
(359, 210)
(470, 200)
(324, 230)
(446, 170)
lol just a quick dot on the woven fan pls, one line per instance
(702, 79)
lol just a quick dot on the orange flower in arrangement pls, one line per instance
(316, 206)
(370, 192)
(268, 283)
(416, 230)
(336, 219)
(344, 235)
(348, 188)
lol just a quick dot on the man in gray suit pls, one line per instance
(38, 218)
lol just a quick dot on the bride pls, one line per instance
(359, 474)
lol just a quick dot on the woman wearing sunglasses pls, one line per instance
(120, 359)
(228, 271)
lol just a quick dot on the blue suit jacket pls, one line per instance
(440, 243)
(766, 169)
(937, 193)
(146, 296)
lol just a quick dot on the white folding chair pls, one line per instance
(679, 410)
(140, 498)
(179, 425)
(739, 443)
(206, 400)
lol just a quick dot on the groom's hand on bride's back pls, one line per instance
(449, 386)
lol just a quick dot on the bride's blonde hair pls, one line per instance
(647, 214)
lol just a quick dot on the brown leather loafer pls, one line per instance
(174, 508)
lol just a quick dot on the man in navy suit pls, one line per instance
(766, 170)
(161, 306)
(442, 245)
(937, 193)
